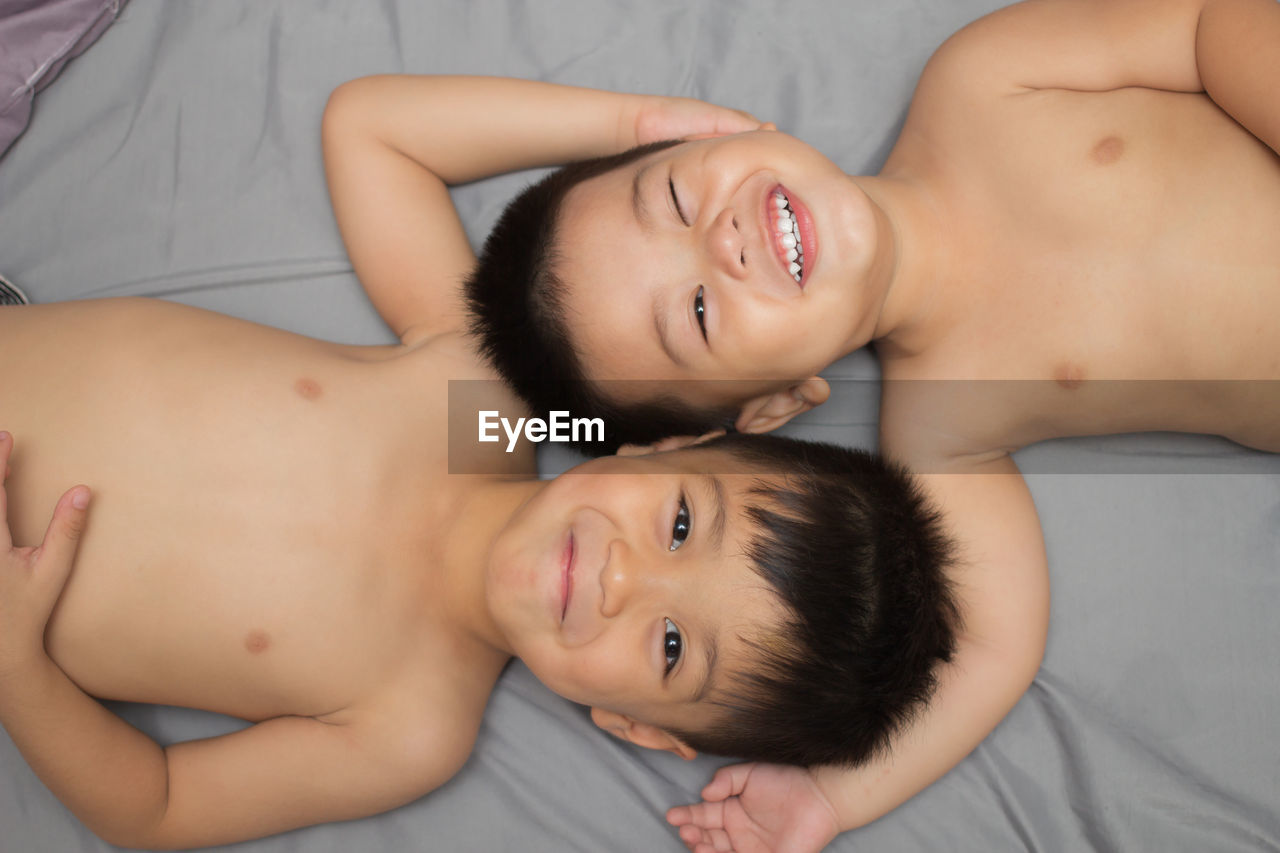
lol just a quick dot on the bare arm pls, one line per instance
(394, 144)
(1226, 48)
(275, 776)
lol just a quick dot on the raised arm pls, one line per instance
(394, 144)
(1003, 587)
(277, 775)
(1226, 48)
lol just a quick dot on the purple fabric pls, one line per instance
(37, 38)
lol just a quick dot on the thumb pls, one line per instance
(58, 550)
(727, 782)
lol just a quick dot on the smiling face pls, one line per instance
(684, 265)
(623, 585)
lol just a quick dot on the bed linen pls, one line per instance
(180, 158)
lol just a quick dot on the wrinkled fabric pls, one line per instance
(37, 38)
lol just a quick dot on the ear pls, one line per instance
(641, 734)
(770, 411)
(675, 442)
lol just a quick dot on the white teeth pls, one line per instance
(788, 232)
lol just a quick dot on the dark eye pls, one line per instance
(672, 646)
(671, 185)
(680, 529)
(700, 312)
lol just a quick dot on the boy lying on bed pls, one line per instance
(275, 535)
(1083, 189)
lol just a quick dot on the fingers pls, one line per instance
(699, 816)
(716, 840)
(58, 550)
(705, 841)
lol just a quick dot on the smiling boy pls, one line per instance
(275, 536)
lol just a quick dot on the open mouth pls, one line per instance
(566, 577)
(787, 241)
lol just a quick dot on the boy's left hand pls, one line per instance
(758, 808)
(660, 118)
(32, 578)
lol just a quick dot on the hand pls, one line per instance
(758, 808)
(31, 579)
(659, 118)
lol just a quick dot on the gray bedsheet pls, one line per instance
(180, 158)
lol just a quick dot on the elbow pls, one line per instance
(337, 112)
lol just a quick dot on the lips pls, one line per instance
(566, 577)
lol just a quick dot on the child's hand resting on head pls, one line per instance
(661, 118)
(32, 578)
(758, 808)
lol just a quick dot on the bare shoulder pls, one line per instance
(419, 730)
(1081, 45)
(932, 420)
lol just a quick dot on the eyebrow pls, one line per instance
(638, 205)
(715, 490)
(660, 325)
(708, 671)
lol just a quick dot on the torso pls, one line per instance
(1126, 235)
(266, 514)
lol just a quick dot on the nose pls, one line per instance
(725, 245)
(624, 577)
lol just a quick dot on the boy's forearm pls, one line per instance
(466, 128)
(975, 694)
(113, 777)
(1239, 63)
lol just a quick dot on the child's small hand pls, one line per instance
(32, 578)
(660, 118)
(758, 808)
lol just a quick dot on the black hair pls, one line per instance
(518, 316)
(859, 559)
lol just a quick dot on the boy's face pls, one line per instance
(623, 585)
(676, 267)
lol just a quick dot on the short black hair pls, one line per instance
(858, 556)
(518, 316)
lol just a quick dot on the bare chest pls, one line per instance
(263, 511)
(1120, 261)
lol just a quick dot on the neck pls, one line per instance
(458, 597)
(911, 245)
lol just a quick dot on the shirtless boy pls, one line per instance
(1083, 190)
(275, 535)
